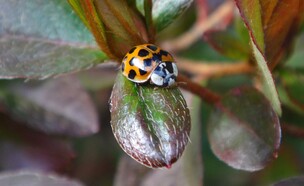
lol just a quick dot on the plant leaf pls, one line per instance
(244, 131)
(40, 38)
(286, 101)
(295, 61)
(229, 43)
(129, 172)
(23, 148)
(59, 106)
(174, 176)
(188, 170)
(192, 162)
(34, 178)
(272, 25)
(269, 88)
(76, 5)
(94, 23)
(294, 181)
(293, 84)
(165, 12)
(122, 32)
(116, 15)
(151, 124)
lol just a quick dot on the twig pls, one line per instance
(293, 130)
(185, 40)
(207, 95)
(214, 69)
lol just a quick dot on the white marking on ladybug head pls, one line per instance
(161, 76)
(157, 80)
(171, 81)
(175, 70)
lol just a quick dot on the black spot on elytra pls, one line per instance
(169, 67)
(147, 62)
(142, 72)
(163, 53)
(143, 53)
(152, 47)
(131, 62)
(123, 67)
(156, 57)
(132, 74)
(132, 50)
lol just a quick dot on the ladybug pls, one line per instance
(147, 62)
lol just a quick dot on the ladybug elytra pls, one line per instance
(149, 62)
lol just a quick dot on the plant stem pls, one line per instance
(293, 130)
(207, 95)
(214, 69)
(149, 22)
(196, 32)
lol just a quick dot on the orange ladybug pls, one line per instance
(148, 62)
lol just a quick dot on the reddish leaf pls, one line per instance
(34, 178)
(187, 171)
(21, 148)
(272, 25)
(295, 181)
(93, 22)
(39, 39)
(129, 172)
(151, 124)
(117, 16)
(244, 130)
(113, 23)
(59, 106)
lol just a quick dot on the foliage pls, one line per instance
(240, 85)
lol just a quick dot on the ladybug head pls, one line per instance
(164, 75)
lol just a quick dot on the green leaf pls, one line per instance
(244, 131)
(293, 85)
(286, 101)
(40, 38)
(165, 12)
(272, 25)
(295, 61)
(151, 124)
(59, 106)
(229, 43)
(251, 10)
(269, 88)
(21, 178)
(76, 5)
